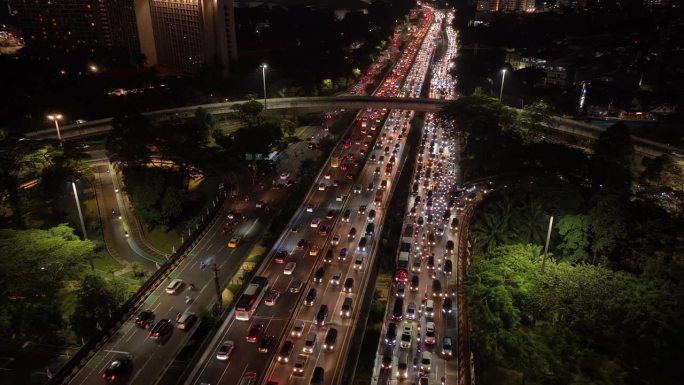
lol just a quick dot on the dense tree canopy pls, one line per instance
(34, 266)
(96, 301)
(573, 324)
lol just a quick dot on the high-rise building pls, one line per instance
(187, 34)
(63, 25)
(181, 34)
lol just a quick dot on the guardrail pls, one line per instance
(67, 372)
(465, 361)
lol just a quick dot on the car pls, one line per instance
(436, 288)
(313, 251)
(343, 254)
(323, 230)
(449, 247)
(431, 262)
(362, 209)
(321, 187)
(362, 244)
(284, 175)
(357, 188)
(330, 339)
(301, 244)
(425, 361)
(300, 363)
(429, 308)
(174, 286)
(266, 344)
(116, 369)
(234, 242)
(321, 316)
(254, 333)
(161, 328)
(406, 336)
(290, 268)
(315, 222)
(345, 311)
(328, 175)
(335, 280)
(309, 343)
(297, 329)
(318, 275)
(296, 286)
(271, 298)
(317, 376)
(330, 214)
(398, 309)
(224, 350)
(281, 256)
(352, 233)
(411, 311)
(328, 256)
(401, 290)
(310, 297)
(259, 204)
(309, 208)
(430, 333)
(447, 305)
(448, 267)
(284, 353)
(346, 215)
(144, 319)
(371, 216)
(186, 320)
(415, 283)
(447, 347)
(295, 228)
(348, 285)
(339, 198)
(387, 358)
(335, 240)
(391, 334)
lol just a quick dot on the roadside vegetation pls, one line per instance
(605, 307)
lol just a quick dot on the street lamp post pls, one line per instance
(56, 118)
(263, 76)
(503, 78)
(80, 213)
(546, 248)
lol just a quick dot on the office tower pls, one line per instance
(63, 25)
(187, 34)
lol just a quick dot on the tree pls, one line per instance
(34, 266)
(575, 234)
(534, 119)
(95, 303)
(154, 194)
(129, 138)
(257, 139)
(249, 113)
(615, 145)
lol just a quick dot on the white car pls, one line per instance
(315, 222)
(425, 361)
(321, 187)
(406, 336)
(297, 329)
(289, 268)
(174, 286)
(430, 333)
(411, 311)
(309, 208)
(271, 298)
(284, 175)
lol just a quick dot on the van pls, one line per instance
(174, 286)
(358, 263)
(310, 343)
(370, 230)
(318, 374)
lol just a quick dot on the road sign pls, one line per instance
(258, 157)
(248, 156)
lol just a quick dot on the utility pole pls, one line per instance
(218, 289)
(546, 248)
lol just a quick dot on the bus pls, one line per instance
(250, 299)
(335, 160)
(401, 271)
(378, 198)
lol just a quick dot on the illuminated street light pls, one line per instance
(56, 118)
(263, 76)
(503, 78)
(93, 68)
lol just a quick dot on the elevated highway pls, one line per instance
(325, 103)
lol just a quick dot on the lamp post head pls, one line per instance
(55, 116)
(503, 70)
(264, 66)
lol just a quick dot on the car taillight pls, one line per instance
(113, 378)
(104, 375)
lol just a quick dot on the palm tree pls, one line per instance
(530, 221)
(490, 229)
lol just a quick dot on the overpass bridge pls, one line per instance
(325, 103)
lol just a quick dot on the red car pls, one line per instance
(254, 333)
